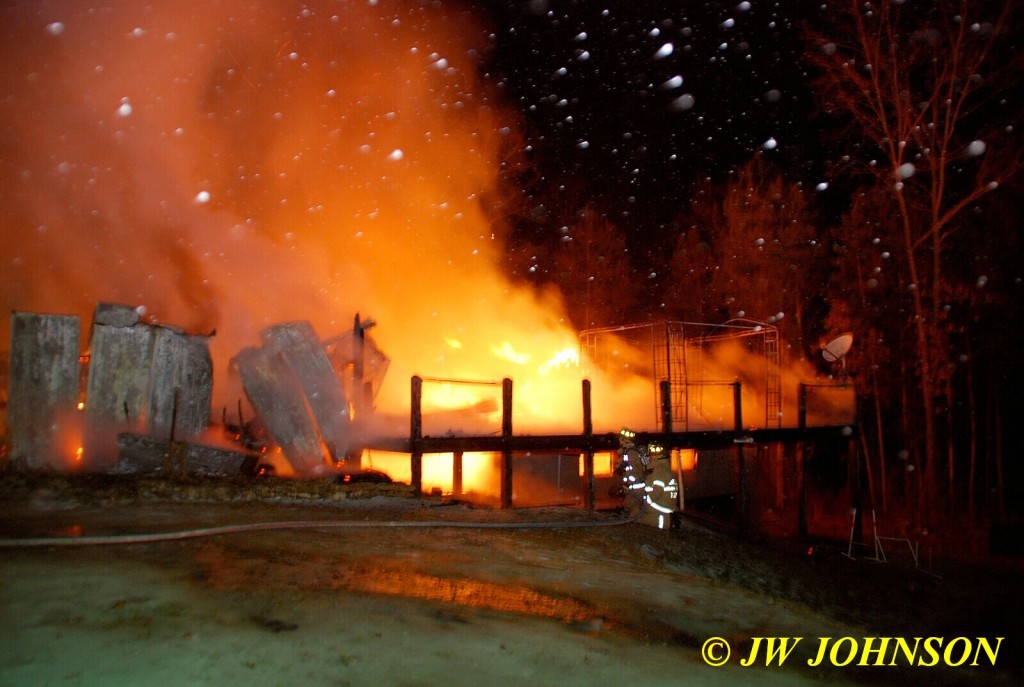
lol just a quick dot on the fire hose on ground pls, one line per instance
(106, 540)
(634, 470)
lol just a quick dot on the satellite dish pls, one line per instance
(837, 348)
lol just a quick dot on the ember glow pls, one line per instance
(231, 165)
(479, 471)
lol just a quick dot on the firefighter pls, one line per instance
(661, 491)
(631, 469)
(648, 483)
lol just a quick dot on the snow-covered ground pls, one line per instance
(593, 603)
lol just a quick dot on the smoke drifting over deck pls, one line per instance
(232, 165)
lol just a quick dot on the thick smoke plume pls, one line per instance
(229, 165)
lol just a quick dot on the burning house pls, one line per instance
(140, 401)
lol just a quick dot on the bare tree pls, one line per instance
(865, 299)
(768, 249)
(921, 84)
(751, 251)
(689, 294)
(592, 267)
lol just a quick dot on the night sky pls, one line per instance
(638, 101)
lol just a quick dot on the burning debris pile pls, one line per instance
(139, 403)
(139, 400)
(301, 389)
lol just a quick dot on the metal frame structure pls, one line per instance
(674, 356)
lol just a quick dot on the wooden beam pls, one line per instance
(581, 443)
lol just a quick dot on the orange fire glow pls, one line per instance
(479, 471)
(232, 165)
(68, 434)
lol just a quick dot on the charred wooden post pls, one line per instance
(43, 387)
(363, 389)
(506, 437)
(856, 494)
(741, 491)
(589, 497)
(416, 435)
(801, 459)
(665, 389)
(457, 473)
(358, 350)
(737, 406)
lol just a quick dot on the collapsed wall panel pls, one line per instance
(118, 386)
(281, 404)
(292, 385)
(43, 389)
(181, 373)
(118, 390)
(139, 374)
(299, 347)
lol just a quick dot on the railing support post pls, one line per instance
(506, 435)
(666, 405)
(589, 499)
(801, 458)
(416, 434)
(741, 495)
(457, 473)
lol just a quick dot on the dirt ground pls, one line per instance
(377, 587)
